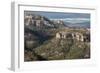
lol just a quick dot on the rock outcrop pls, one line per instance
(74, 35)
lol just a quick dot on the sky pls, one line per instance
(59, 15)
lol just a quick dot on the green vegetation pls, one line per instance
(62, 49)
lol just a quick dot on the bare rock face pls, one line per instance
(74, 35)
(37, 21)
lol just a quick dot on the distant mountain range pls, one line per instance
(81, 25)
(75, 22)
